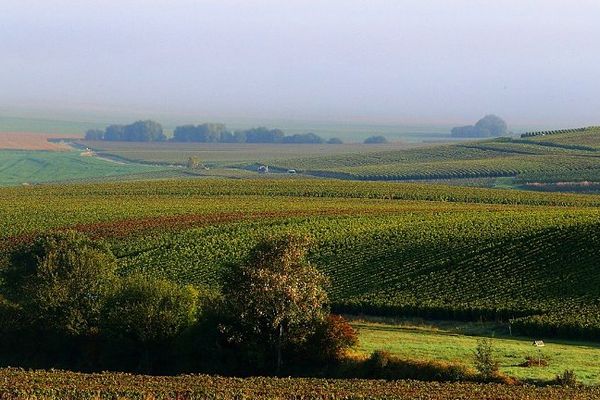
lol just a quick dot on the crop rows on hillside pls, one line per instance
(18, 384)
(435, 254)
(418, 155)
(553, 132)
(454, 264)
(587, 139)
(549, 158)
(549, 167)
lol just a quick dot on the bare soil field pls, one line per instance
(33, 141)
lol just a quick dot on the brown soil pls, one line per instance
(33, 141)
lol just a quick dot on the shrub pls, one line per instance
(567, 378)
(148, 313)
(332, 338)
(484, 358)
(151, 310)
(382, 365)
(338, 336)
(379, 360)
(535, 361)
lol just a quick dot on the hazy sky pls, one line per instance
(381, 61)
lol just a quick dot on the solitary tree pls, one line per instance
(275, 298)
(485, 360)
(488, 126)
(491, 125)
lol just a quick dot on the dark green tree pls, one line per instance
(149, 313)
(144, 131)
(114, 132)
(488, 126)
(264, 135)
(94, 134)
(375, 140)
(491, 126)
(303, 138)
(61, 282)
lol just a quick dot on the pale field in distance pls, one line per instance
(33, 141)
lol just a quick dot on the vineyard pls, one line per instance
(569, 155)
(553, 161)
(391, 249)
(223, 153)
(450, 264)
(28, 385)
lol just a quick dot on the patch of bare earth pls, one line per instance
(34, 141)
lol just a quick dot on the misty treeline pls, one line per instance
(488, 126)
(151, 131)
(65, 304)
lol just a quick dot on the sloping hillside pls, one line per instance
(550, 157)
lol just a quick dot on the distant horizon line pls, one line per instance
(96, 116)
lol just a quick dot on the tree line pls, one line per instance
(64, 304)
(151, 131)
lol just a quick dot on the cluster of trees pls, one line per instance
(64, 305)
(149, 131)
(375, 140)
(218, 133)
(488, 126)
(139, 131)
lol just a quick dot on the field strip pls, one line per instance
(33, 141)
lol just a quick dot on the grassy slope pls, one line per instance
(456, 342)
(17, 167)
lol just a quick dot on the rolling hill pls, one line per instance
(391, 249)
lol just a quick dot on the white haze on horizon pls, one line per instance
(426, 61)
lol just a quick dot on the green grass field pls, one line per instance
(19, 167)
(456, 342)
